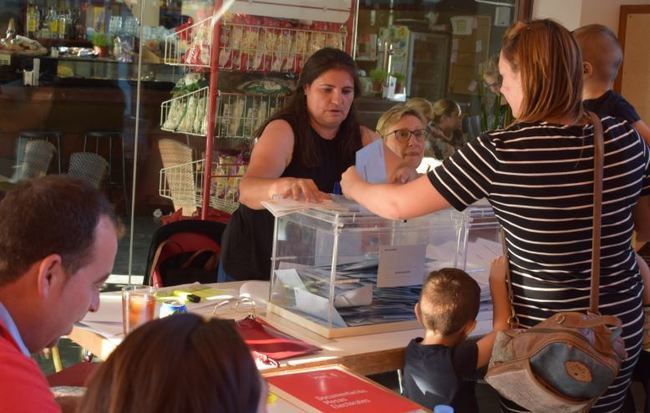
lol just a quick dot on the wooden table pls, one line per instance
(100, 333)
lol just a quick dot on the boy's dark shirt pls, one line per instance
(436, 374)
(611, 103)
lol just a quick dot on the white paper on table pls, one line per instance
(401, 265)
(370, 162)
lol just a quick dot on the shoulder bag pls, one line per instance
(566, 362)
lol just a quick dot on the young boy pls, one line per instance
(441, 367)
(602, 56)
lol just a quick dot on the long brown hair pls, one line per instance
(177, 364)
(550, 65)
(320, 62)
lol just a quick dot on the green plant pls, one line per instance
(493, 113)
(399, 77)
(101, 39)
(378, 76)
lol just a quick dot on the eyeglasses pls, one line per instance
(403, 135)
(242, 304)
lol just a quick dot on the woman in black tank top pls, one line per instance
(301, 153)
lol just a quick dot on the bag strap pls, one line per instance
(154, 274)
(597, 213)
(513, 320)
(598, 199)
(209, 263)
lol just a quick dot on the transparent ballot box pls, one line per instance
(349, 272)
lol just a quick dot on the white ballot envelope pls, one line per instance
(370, 162)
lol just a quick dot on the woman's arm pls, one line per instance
(271, 155)
(393, 201)
(501, 309)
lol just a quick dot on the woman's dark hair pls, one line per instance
(182, 363)
(320, 62)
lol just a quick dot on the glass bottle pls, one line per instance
(63, 24)
(11, 29)
(54, 23)
(32, 20)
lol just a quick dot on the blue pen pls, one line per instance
(337, 188)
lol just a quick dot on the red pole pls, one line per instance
(350, 27)
(212, 108)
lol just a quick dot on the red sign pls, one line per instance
(336, 390)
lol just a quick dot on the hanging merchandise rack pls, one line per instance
(186, 113)
(275, 45)
(252, 47)
(190, 46)
(258, 48)
(238, 115)
(183, 183)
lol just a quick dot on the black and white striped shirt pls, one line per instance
(538, 178)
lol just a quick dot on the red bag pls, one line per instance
(262, 338)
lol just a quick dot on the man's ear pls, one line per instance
(50, 273)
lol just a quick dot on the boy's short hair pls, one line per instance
(601, 48)
(450, 299)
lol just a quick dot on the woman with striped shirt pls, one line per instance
(538, 176)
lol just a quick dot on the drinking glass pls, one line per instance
(138, 306)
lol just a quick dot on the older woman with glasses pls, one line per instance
(404, 131)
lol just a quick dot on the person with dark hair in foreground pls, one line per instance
(182, 363)
(58, 240)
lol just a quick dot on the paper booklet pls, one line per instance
(332, 389)
(284, 206)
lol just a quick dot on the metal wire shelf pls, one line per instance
(238, 115)
(186, 113)
(190, 46)
(250, 48)
(184, 182)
